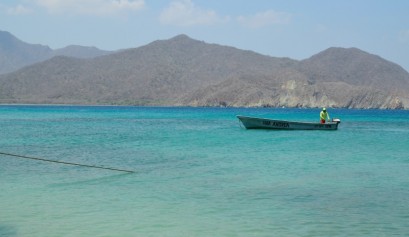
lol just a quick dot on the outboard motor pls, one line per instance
(336, 120)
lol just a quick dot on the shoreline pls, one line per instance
(187, 106)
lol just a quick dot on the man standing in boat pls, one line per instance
(324, 115)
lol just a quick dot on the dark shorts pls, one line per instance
(322, 120)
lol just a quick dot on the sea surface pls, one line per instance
(198, 172)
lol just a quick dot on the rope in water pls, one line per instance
(63, 162)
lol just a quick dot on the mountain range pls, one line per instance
(15, 54)
(182, 71)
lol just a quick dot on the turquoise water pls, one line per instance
(199, 173)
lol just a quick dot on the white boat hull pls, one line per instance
(264, 123)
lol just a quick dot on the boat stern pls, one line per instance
(336, 120)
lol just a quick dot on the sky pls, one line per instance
(297, 29)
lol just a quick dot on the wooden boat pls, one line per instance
(265, 123)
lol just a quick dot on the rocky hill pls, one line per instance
(15, 54)
(185, 72)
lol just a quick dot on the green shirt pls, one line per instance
(324, 115)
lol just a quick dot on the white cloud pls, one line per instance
(18, 10)
(185, 13)
(266, 18)
(91, 7)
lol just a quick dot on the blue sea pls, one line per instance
(198, 172)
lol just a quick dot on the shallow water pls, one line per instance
(199, 173)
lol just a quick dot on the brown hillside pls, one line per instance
(184, 71)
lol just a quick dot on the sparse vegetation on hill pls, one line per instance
(185, 72)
